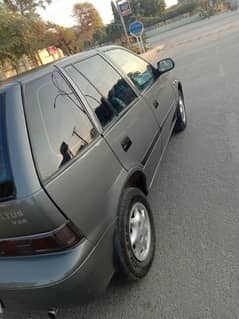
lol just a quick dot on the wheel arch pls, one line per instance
(133, 178)
(137, 179)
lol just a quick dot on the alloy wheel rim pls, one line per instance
(140, 231)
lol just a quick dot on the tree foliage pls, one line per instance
(109, 33)
(25, 7)
(89, 19)
(180, 9)
(170, 13)
(149, 8)
(161, 7)
(22, 35)
(64, 38)
(17, 37)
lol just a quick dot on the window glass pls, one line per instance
(109, 83)
(97, 102)
(58, 126)
(139, 71)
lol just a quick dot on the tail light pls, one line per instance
(62, 238)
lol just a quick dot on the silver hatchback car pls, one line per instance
(80, 143)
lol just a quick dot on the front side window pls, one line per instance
(58, 125)
(108, 82)
(140, 72)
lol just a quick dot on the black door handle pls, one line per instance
(155, 104)
(126, 143)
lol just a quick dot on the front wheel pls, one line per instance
(181, 122)
(135, 235)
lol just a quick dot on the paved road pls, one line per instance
(195, 194)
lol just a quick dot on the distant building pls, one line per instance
(26, 63)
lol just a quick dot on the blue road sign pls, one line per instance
(136, 28)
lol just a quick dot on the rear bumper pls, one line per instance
(58, 280)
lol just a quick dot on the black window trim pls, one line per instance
(97, 90)
(122, 114)
(61, 170)
(79, 96)
(145, 91)
(122, 75)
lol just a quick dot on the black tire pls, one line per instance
(181, 122)
(127, 265)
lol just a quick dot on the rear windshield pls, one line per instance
(6, 181)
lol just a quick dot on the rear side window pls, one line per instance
(6, 180)
(108, 82)
(98, 103)
(59, 128)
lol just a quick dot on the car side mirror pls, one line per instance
(165, 65)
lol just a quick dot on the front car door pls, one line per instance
(156, 90)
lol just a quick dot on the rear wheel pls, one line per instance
(135, 235)
(181, 122)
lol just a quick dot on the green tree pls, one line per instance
(143, 8)
(136, 7)
(161, 7)
(100, 36)
(149, 8)
(63, 38)
(114, 31)
(89, 19)
(22, 35)
(17, 37)
(26, 7)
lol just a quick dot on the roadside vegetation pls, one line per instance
(23, 32)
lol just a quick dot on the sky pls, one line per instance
(60, 11)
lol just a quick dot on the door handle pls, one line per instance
(126, 143)
(155, 104)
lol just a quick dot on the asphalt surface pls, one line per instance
(195, 196)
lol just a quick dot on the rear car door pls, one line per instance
(156, 90)
(133, 127)
(70, 155)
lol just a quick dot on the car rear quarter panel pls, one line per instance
(31, 212)
(22, 165)
(88, 190)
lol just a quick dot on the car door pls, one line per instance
(162, 100)
(75, 164)
(132, 130)
(156, 90)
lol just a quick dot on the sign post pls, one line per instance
(124, 9)
(136, 29)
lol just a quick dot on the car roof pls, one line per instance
(29, 75)
(41, 71)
